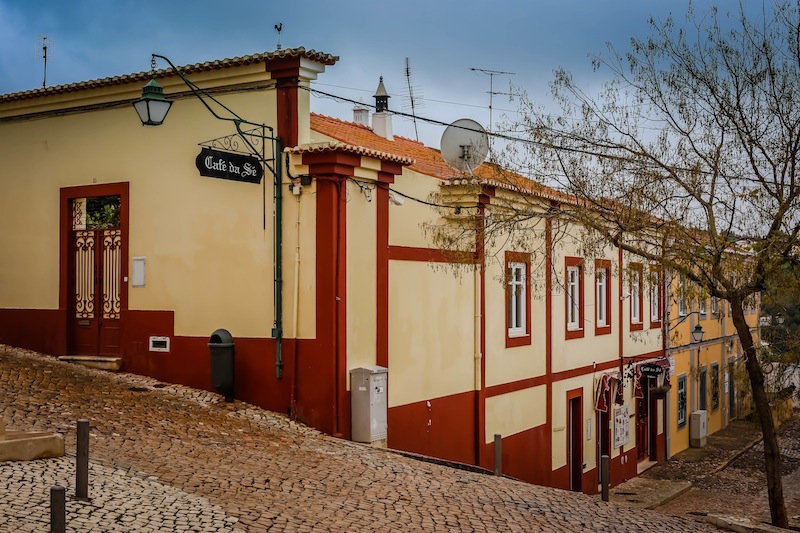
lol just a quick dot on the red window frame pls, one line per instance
(603, 264)
(522, 340)
(578, 332)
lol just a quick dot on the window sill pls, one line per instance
(573, 333)
(519, 339)
(602, 330)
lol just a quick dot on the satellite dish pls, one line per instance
(464, 145)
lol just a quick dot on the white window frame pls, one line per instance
(682, 405)
(636, 296)
(573, 297)
(683, 303)
(601, 296)
(701, 305)
(655, 299)
(714, 305)
(517, 306)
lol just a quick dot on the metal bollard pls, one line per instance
(498, 455)
(604, 474)
(82, 461)
(58, 509)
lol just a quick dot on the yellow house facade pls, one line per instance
(122, 242)
(707, 375)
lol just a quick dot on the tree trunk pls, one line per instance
(772, 453)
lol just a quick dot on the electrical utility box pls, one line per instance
(368, 403)
(698, 429)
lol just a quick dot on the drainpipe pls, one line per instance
(295, 303)
(277, 330)
(477, 326)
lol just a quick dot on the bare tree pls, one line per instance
(689, 157)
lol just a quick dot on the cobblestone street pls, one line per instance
(170, 458)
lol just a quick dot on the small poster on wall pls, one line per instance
(621, 426)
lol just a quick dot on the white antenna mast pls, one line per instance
(492, 74)
(411, 97)
(44, 44)
(278, 28)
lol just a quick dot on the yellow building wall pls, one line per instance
(361, 276)
(589, 421)
(427, 357)
(504, 365)
(299, 254)
(515, 412)
(218, 263)
(590, 349)
(406, 221)
(720, 346)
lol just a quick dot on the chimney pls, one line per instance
(382, 119)
(361, 115)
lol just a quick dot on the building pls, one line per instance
(708, 371)
(141, 243)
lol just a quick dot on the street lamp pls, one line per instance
(153, 106)
(698, 334)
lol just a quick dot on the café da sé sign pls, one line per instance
(229, 166)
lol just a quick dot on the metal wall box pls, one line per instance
(159, 344)
(368, 403)
(698, 429)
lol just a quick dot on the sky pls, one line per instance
(443, 41)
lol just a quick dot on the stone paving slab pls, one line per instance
(234, 461)
(648, 493)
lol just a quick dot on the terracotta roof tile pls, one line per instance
(428, 160)
(330, 146)
(321, 57)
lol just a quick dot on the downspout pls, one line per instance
(295, 303)
(295, 298)
(477, 326)
(277, 330)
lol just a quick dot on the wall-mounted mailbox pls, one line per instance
(368, 403)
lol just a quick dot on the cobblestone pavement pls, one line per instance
(171, 458)
(730, 483)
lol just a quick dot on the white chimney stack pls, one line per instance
(361, 115)
(382, 119)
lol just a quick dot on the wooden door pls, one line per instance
(575, 444)
(95, 282)
(643, 421)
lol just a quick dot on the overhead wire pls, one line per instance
(511, 137)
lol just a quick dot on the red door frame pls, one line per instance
(67, 194)
(575, 439)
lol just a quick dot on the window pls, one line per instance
(714, 386)
(656, 297)
(636, 296)
(703, 388)
(574, 297)
(518, 298)
(602, 301)
(681, 401)
(714, 306)
(683, 304)
(701, 305)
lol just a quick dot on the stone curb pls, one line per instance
(741, 525)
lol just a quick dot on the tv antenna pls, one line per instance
(44, 46)
(492, 74)
(411, 97)
(464, 145)
(278, 28)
